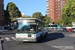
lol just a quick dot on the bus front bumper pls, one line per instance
(26, 39)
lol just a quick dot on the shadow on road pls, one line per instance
(52, 36)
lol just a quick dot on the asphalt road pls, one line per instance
(54, 41)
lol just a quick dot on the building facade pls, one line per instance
(1, 12)
(54, 9)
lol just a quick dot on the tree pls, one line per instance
(37, 15)
(6, 17)
(13, 11)
(60, 22)
(68, 12)
(47, 19)
(55, 22)
(23, 16)
(27, 16)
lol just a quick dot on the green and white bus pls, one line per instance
(30, 29)
(53, 26)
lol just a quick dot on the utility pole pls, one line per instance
(50, 22)
(61, 8)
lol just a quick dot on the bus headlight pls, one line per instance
(33, 36)
(17, 36)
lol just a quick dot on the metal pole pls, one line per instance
(50, 23)
(61, 8)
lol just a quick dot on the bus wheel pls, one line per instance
(46, 34)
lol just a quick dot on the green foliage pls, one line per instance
(68, 12)
(74, 20)
(37, 15)
(6, 17)
(47, 19)
(13, 10)
(55, 22)
(60, 22)
(25, 16)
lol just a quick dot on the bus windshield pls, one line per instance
(26, 28)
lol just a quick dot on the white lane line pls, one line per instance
(6, 38)
(13, 38)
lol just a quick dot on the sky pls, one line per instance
(28, 7)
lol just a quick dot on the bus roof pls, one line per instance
(26, 18)
(32, 19)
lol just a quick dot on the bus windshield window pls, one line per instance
(26, 28)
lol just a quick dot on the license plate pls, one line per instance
(25, 40)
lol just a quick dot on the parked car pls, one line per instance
(69, 29)
(73, 30)
(60, 29)
(64, 29)
(0, 31)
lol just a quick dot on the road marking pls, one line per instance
(7, 38)
(13, 38)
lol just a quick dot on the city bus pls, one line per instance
(30, 29)
(53, 26)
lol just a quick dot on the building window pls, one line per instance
(51, 12)
(47, 3)
(2, 2)
(58, 0)
(58, 14)
(58, 3)
(58, 17)
(58, 9)
(58, 6)
(51, 9)
(63, 1)
(63, 4)
(50, 6)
